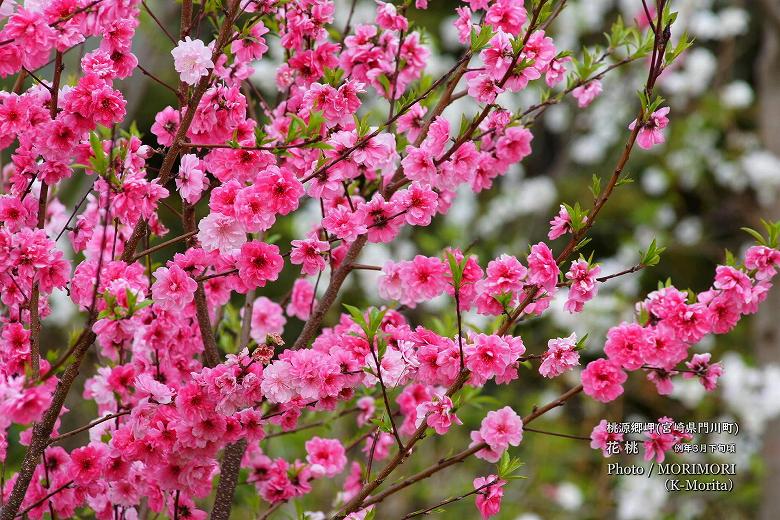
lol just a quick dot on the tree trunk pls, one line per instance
(766, 331)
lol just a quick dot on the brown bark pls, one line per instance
(766, 331)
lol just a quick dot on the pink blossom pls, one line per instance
(561, 355)
(514, 145)
(279, 189)
(419, 165)
(165, 124)
(412, 121)
(560, 224)
(390, 286)
(662, 379)
(258, 263)
(344, 223)
(628, 344)
(191, 180)
(463, 23)
(733, 282)
(488, 498)
(603, 380)
(173, 288)
(437, 414)
(277, 385)
(488, 454)
(542, 269)
(507, 15)
(505, 274)
(556, 72)
(145, 385)
(424, 277)
(605, 440)
(482, 87)
(86, 464)
(192, 60)
(708, 373)
(251, 47)
(267, 319)
(366, 406)
(497, 57)
(583, 285)
(662, 439)
(30, 31)
(438, 135)
(381, 219)
(379, 445)
(387, 17)
(585, 94)
(650, 132)
(301, 299)
(488, 356)
(220, 232)
(309, 254)
(502, 428)
(328, 454)
(764, 260)
(419, 202)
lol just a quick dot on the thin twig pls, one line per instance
(427, 510)
(89, 426)
(44, 499)
(163, 245)
(159, 24)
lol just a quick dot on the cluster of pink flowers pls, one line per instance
(499, 429)
(503, 283)
(670, 322)
(166, 408)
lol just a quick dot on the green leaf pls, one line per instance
(682, 45)
(375, 320)
(143, 304)
(730, 259)
(456, 268)
(595, 186)
(756, 235)
(652, 255)
(383, 79)
(773, 230)
(480, 40)
(585, 241)
(577, 216)
(357, 315)
(507, 466)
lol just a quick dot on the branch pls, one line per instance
(89, 426)
(602, 279)
(159, 24)
(557, 434)
(165, 244)
(331, 293)
(166, 168)
(230, 466)
(44, 499)
(360, 142)
(421, 512)
(42, 430)
(449, 461)
(35, 318)
(229, 469)
(309, 426)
